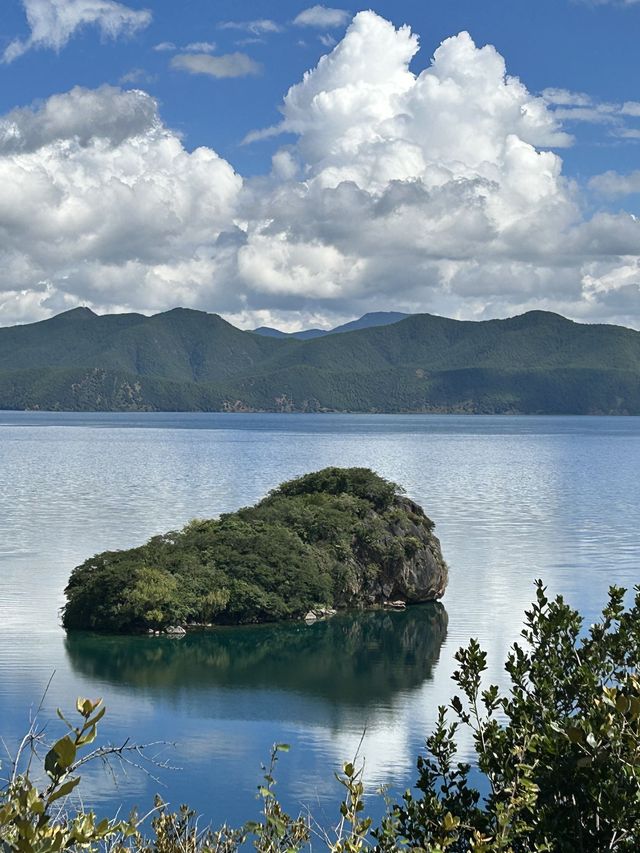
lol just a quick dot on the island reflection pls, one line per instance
(353, 660)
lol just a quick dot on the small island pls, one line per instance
(334, 539)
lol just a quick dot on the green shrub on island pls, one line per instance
(557, 761)
(340, 537)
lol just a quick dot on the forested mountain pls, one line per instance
(367, 321)
(189, 360)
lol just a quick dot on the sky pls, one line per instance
(297, 165)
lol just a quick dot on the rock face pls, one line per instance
(411, 566)
(422, 575)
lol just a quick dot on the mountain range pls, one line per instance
(186, 360)
(375, 318)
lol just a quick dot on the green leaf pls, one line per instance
(65, 749)
(622, 704)
(575, 734)
(88, 737)
(64, 789)
(450, 822)
(96, 719)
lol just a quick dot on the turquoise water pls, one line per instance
(513, 499)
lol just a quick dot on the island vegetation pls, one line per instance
(185, 360)
(557, 765)
(336, 538)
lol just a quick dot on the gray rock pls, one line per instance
(414, 571)
(176, 630)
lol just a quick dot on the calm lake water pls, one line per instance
(513, 499)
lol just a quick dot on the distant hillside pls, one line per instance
(368, 321)
(374, 318)
(184, 360)
(304, 335)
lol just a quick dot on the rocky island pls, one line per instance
(334, 539)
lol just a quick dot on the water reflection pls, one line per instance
(353, 660)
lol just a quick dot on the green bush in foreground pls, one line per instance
(559, 754)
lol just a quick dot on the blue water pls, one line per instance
(513, 499)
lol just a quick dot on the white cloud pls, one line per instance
(362, 110)
(261, 26)
(200, 47)
(614, 184)
(82, 116)
(570, 106)
(436, 190)
(192, 47)
(566, 98)
(629, 133)
(322, 17)
(263, 133)
(102, 204)
(432, 192)
(610, 2)
(228, 65)
(53, 22)
(137, 76)
(244, 42)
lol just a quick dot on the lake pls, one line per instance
(513, 499)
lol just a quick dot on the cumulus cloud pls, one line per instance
(322, 17)
(441, 192)
(83, 116)
(102, 204)
(227, 65)
(53, 22)
(437, 188)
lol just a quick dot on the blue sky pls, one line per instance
(223, 72)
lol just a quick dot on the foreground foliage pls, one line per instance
(332, 538)
(559, 752)
(558, 755)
